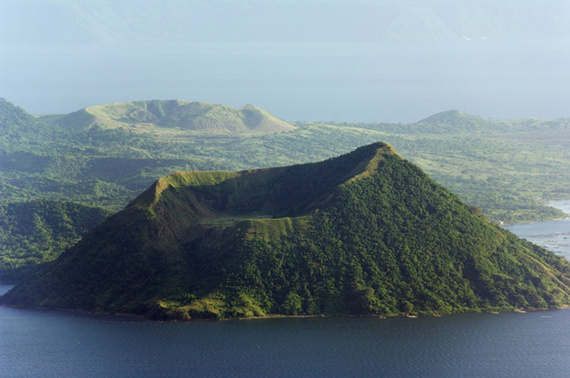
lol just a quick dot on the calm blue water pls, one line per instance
(60, 344)
(54, 344)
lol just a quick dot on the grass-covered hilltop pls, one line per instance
(143, 116)
(364, 233)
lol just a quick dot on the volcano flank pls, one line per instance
(366, 233)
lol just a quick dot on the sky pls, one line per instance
(312, 60)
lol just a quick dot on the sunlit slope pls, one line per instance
(146, 116)
(364, 233)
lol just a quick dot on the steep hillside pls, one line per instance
(364, 233)
(143, 116)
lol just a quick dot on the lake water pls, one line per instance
(62, 344)
(552, 235)
(57, 344)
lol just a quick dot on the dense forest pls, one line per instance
(105, 156)
(35, 231)
(365, 233)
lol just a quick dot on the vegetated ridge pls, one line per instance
(364, 233)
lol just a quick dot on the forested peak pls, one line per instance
(364, 233)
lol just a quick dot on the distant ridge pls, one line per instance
(364, 233)
(187, 116)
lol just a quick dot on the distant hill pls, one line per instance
(189, 116)
(446, 116)
(364, 233)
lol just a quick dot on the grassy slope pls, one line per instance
(169, 117)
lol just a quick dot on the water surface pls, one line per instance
(552, 235)
(44, 343)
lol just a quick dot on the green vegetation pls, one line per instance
(38, 231)
(105, 156)
(507, 168)
(367, 233)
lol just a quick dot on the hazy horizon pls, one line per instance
(362, 61)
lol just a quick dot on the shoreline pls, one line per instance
(565, 208)
(556, 204)
(138, 317)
